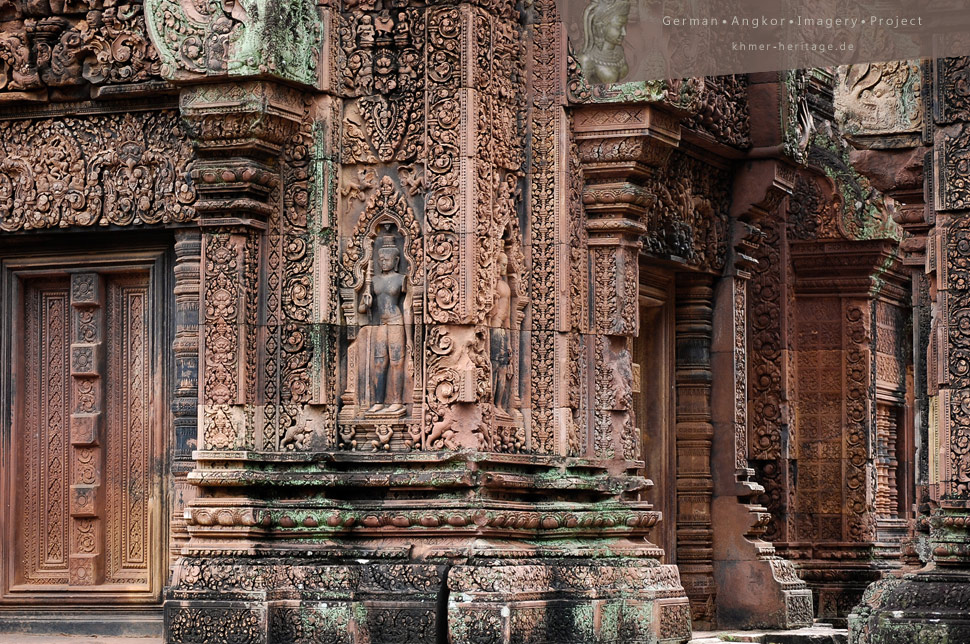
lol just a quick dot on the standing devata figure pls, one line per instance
(383, 296)
(500, 346)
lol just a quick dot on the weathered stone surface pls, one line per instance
(452, 339)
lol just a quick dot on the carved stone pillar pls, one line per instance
(694, 436)
(188, 249)
(238, 134)
(778, 599)
(618, 146)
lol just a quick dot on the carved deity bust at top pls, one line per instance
(602, 58)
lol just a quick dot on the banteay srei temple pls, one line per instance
(408, 322)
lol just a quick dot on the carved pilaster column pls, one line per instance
(188, 248)
(618, 146)
(238, 133)
(778, 599)
(949, 266)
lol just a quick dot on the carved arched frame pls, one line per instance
(389, 210)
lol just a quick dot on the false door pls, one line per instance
(82, 490)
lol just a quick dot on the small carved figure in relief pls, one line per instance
(402, 30)
(366, 32)
(383, 295)
(602, 57)
(500, 348)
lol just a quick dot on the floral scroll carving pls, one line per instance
(105, 170)
(723, 111)
(58, 51)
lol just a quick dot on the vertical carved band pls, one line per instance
(185, 346)
(740, 375)
(87, 404)
(229, 305)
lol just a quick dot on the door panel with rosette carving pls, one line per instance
(83, 447)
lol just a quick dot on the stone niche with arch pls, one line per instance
(381, 296)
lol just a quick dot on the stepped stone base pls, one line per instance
(923, 607)
(357, 600)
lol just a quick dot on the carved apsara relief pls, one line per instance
(602, 57)
(382, 300)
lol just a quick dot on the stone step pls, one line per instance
(69, 639)
(817, 634)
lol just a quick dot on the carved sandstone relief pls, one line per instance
(690, 219)
(382, 300)
(469, 372)
(880, 98)
(242, 39)
(116, 169)
(722, 112)
(602, 58)
(68, 50)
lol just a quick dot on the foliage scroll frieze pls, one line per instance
(956, 353)
(246, 38)
(118, 169)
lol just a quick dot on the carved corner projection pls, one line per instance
(238, 39)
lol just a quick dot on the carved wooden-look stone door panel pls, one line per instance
(82, 485)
